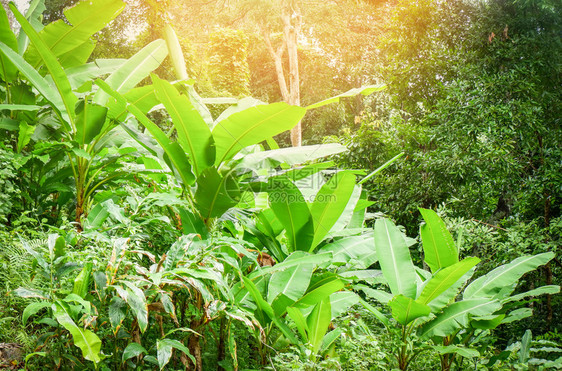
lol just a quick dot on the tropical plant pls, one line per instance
(76, 115)
(425, 304)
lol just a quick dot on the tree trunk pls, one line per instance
(292, 22)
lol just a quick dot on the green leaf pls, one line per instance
(215, 193)
(525, 351)
(365, 90)
(97, 216)
(52, 65)
(291, 155)
(82, 281)
(394, 258)
(193, 133)
(137, 302)
(543, 290)
(34, 15)
(252, 126)
(291, 282)
(461, 351)
(318, 322)
(90, 119)
(329, 204)
(360, 248)
(134, 70)
(86, 18)
(438, 245)
(518, 315)
(117, 311)
(488, 323)
(341, 301)
(38, 82)
(264, 312)
(30, 293)
(176, 156)
(79, 75)
(445, 279)
(405, 310)
(24, 135)
(19, 107)
(493, 284)
(133, 350)
(375, 312)
(7, 69)
(164, 348)
(288, 204)
(86, 340)
(299, 320)
(315, 259)
(329, 339)
(32, 309)
(319, 291)
(78, 56)
(457, 315)
(176, 54)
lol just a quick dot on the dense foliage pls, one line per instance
(147, 224)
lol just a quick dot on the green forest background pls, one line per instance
(471, 108)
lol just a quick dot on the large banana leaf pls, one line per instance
(134, 70)
(445, 279)
(360, 248)
(176, 54)
(457, 315)
(136, 300)
(394, 258)
(34, 15)
(144, 98)
(318, 322)
(405, 310)
(329, 204)
(291, 282)
(291, 209)
(438, 245)
(265, 312)
(341, 301)
(78, 56)
(365, 90)
(53, 66)
(79, 75)
(543, 290)
(291, 155)
(216, 193)
(38, 82)
(8, 70)
(353, 215)
(193, 133)
(252, 126)
(316, 259)
(494, 283)
(319, 290)
(86, 340)
(86, 18)
(176, 158)
(89, 121)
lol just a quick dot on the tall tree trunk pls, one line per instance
(292, 24)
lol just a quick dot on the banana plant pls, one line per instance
(207, 157)
(426, 305)
(59, 51)
(291, 290)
